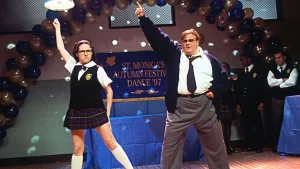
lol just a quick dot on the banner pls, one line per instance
(139, 75)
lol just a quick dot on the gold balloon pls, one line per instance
(47, 26)
(140, 1)
(259, 49)
(122, 4)
(259, 23)
(229, 5)
(151, 3)
(10, 122)
(222, 19)
(35, 43)
(49, 52)
(90, 18)
(286, 49)
(204, 10)
(173, 2)
(249, 13)
(15, 75)
(23, 61)
(185, 4)
(76, 26)
(233, 29)
(6, 98)
(268, 32)
(81, 3)
(107, 10)
(243, 38)
(2, 120)
(27, 83)
(64, 15)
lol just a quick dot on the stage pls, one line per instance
(265, 160)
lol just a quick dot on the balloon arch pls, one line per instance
(228, 16)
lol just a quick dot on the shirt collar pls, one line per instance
(283, 67)
(249, 67)
(200, 52)
(90, 64)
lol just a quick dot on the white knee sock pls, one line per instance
(121, 156)
(76, 162)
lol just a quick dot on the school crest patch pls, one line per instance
(254, 75)
(88, 76)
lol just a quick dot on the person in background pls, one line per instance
(282, 79)
(228, 112)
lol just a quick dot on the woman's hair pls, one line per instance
(76, 48)
(228, 66)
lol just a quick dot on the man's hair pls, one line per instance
(190, 31)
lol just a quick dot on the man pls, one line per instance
(195, 83)
(250, 95)
(282, 79)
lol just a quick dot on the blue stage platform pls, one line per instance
(141, 137)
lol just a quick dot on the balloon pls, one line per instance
(216, 7)
(259, 49)
(249, 13)
(15, 75)
(51, 15)
(2, 120)
(274, 44)
(65, 28)
(90, 18)
(229, 5)
(204, 10)
(122, 4)
(248, 48)
(161, 2)
(23, 61)
(257, 36)
(5, 84)
(11, 111)
(140, 2)
(10, 122)
(49, 52)
(171, 2)
(239, 5)
(78, 13)
(76, 26)
(38, 59)
(65, 40)
(23, 48)
(268, 32)
(259, 23)
(233, 30)
(6, 98)
(64, 15)
(107, 10)
(50, 40)
(32, 72)
(81, 3)
(10, 63)
(185, 4)
(37, 30)
(243, 38)
(237, 14)
(27, 84)
(210, 18)
(247, 25)
(35, 43)
(95, 7)
(222, 19)
(47, 26)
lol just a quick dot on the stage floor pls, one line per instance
(265, 160)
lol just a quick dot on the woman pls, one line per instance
(227, 113)
(86, 107)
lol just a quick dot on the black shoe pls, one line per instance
(232, 150)
(259, 150)
(247, 149)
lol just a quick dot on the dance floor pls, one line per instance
(252, 160)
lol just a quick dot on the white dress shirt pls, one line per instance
(249, 68)
(202, 71)
(291, 81)
(103, 79)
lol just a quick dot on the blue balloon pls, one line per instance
(95, 6)
(19, 92)
(248, 48)
(2, 132)
(37, 30)
(23, 48)
(50, 40)
(51, 15)
(257, 36)
(161, 2)
(216, 7)
(11, 111)
(5, 84)
(10, 63)
(38, 59)
(65, 28)
(237, 14)
(239, 5)
(32, 72)
(78, 13)
(210, 18)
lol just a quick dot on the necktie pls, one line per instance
(191, 82)
(83, 67)
(281, 69)
(247, 70)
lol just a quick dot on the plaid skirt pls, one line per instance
(227, 112)
(85, 118)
